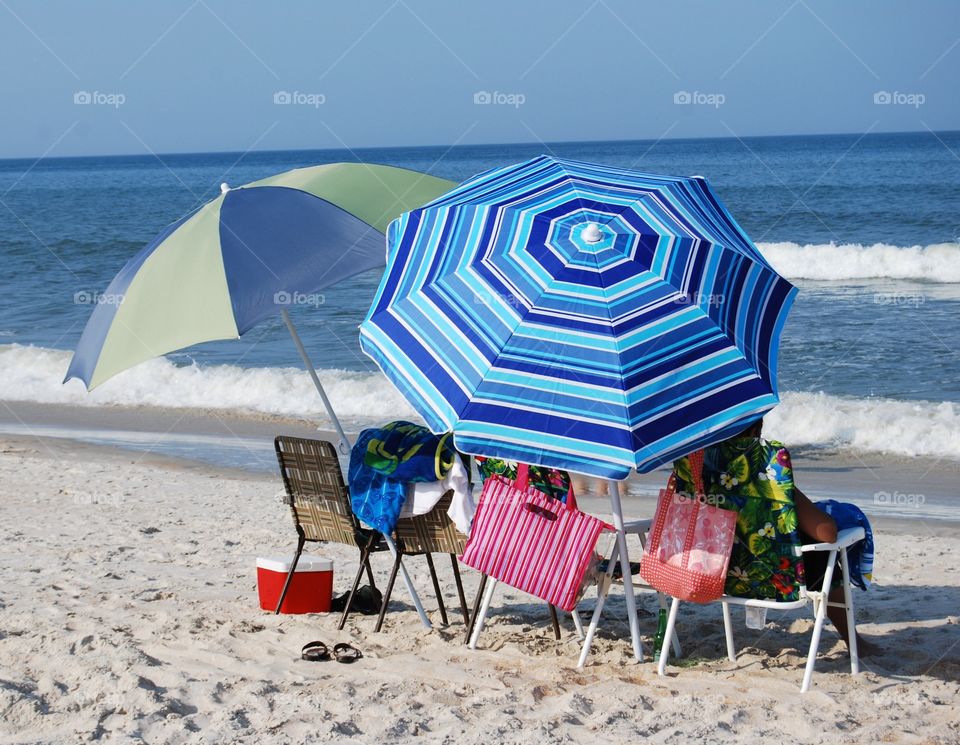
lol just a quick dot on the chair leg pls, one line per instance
(459, 584)
(293, 569)
(851, 622)
(728, 633)
(677, 650)
(602, 589)
(555, 621)
(364, 562)
(408, 582)
(373, 584)
(476, 608)
(578, 624)
(386, 597)
(671, 630)
(482, 615)
(821, 615)
(436, 589)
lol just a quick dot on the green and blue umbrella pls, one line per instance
(239, 258)
(579, 316)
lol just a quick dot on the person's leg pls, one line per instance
(838, 617)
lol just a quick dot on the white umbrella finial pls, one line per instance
(224, 187)
(591, 233)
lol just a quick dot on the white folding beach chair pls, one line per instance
(487, 587)
(818, 599)
(640, 528)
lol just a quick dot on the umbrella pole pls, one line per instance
(625, 565)
(345, 449)
(307, 363)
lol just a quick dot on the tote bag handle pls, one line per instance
(523, 476)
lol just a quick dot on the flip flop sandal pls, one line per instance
(315, 652)
(346, 653)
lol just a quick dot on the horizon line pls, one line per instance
(471, 145)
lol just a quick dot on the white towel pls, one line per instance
(422, 496)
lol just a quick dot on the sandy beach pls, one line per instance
(595, 237)
(129, 613)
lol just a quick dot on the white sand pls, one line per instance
(128, 612)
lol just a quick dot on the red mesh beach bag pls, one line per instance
(688, 552)
(530, 541)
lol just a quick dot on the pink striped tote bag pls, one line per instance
(530, 541)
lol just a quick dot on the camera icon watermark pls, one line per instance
(88, 297)
(899, 98)
(86, 499)
(498, 98)
(99, 98)
(114, 700)
(899, 697)
(898, 499)
(907, 299)
(310, 299)
(699, 98)
(496, 298)
(299, 98)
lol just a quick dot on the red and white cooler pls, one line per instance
(311, 588)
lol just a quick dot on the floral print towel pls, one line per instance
(551, 481)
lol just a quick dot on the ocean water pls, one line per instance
(867, 227)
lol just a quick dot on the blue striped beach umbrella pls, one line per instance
(579, 316)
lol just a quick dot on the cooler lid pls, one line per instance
(307, 563)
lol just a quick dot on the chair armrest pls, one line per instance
(845, 538)
(638, 526)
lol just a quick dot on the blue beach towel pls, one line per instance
(860, 554)
(384, 460)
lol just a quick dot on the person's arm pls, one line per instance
(812, 520)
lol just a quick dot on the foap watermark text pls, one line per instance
(310, 299)
(909, 299)
(99, 98)
(499, 98)
(898, 499)
(92, 297)
(699, 98)
(899, 98)
(299, 98)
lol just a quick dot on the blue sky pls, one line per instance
(202, 75)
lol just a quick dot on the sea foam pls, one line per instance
(909, 428)
(34, 374)
(938, 262)
(867, 424)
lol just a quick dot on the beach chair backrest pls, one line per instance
(433, 532)
(315, 490)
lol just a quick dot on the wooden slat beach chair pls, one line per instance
(320, 505)
(428, 534)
